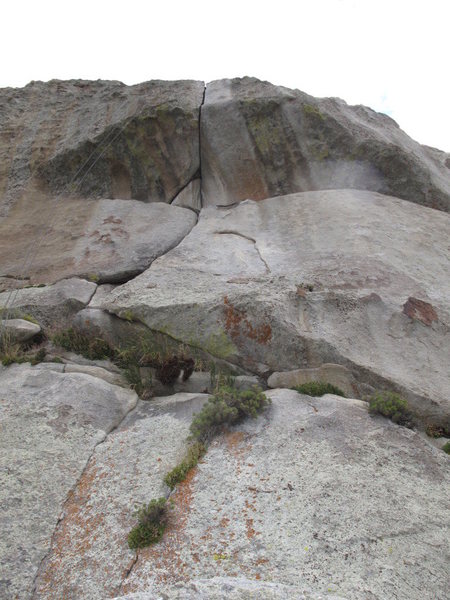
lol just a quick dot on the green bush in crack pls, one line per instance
(390, 405)
(178, 474)
(152, 520)
(227, 406)
(318, 388)
(93, 348)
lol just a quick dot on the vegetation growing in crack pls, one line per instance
(195, 452)
(168, 366)
(12, 351)
(391, 405)
(318, 388)
(152, 520)
(227, 406)
(446, 447)
(437, 431)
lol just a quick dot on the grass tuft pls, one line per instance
(318, 388)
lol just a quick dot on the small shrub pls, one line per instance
(152, 520)
(168, 369)
(446, 447)
(435, 431)
(318, 388)
(178, 474)
(227, 406)
(391, 405)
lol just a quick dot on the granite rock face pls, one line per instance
(50, 305)
(274, 500)
(105, 240)
(259, 140)
(167, 223)
(301, 280)
(137, 141)
(50, 424)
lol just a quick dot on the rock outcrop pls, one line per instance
(125, 142)
(306, 279)
(259, 140)
(50, 424)
(50, 305)
(272, 501)
(252, 235)
(107, 241)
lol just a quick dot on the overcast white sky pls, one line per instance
(390, 55)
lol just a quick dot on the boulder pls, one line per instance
(53, 304)
(259, 140)
(105, 241)
(19, 330)
(318, 277)
(50, 424)
(49, 304)
(314, 497)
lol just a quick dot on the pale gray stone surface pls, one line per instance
(123, 238)
(118, 240)
(55, 304)
(337, 375)
(50, 424)
(301, 280)
(259, 140)
(190, 196)
(101, 293)
(313, 495)
(99, 372)
(231, 588)
(19, 330)
(90, 554)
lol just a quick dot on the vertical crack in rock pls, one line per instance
(200, 145)
(127, 573)
(41, 568)
(250, 239)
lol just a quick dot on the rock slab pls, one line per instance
(50, 423)
(301, 280)
(314, 497)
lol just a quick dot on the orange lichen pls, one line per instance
(237, 325)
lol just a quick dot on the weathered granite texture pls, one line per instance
(259, 140)
(301, 280)
(50, 305)
(106, 241)
(50, 423)
(315, 494)
(137, 141)
(19, 330)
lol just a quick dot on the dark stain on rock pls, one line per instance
(419, 310)
(238, 325)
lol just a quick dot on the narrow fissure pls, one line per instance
(43, 562)
(250, 239)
